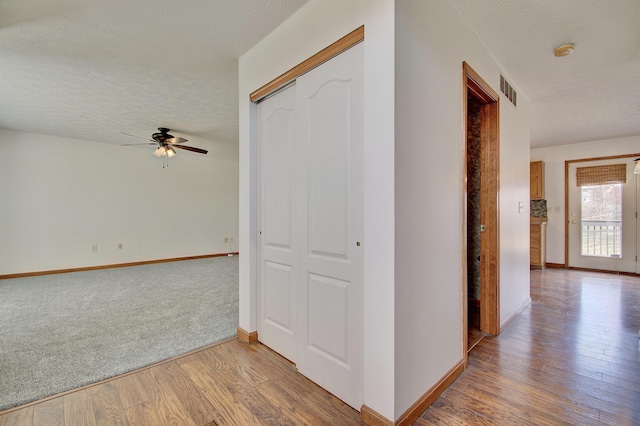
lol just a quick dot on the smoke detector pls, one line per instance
(564, 50)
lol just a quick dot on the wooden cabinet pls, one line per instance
(537, 245)
(537, 180)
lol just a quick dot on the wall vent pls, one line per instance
(508, 91)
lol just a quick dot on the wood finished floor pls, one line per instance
(573, 357)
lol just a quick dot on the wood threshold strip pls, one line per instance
(420, 406)
(115, 265)
(350, 40)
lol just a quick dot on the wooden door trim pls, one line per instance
(490, 211)
(566, 196)
(334, 49)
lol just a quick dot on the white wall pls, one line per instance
(62, 196)
(432, 41)
(318, 24)
(413, 284)
(554, 158)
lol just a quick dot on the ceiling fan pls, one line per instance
(166, 143)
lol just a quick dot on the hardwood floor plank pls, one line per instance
(434, 416)
(447, 409)
(197, 407)
(530, 400)
(294, 406)
(163, 399)
(78, 409)
(131, 389)
(144, 414)
(107, 405)
(227, 408)
(331, 408)
(21, 417)
(49, 413)
(265, 410)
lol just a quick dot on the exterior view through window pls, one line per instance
(601, 220)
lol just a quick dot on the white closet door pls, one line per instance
(310, 248)
(277, 232)
(329, 121)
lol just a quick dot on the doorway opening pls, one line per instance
(601, 197)
(474, 235)
(481, 288)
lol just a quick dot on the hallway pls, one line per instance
(572, 357)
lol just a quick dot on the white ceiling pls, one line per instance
(592, 94)
(91, 69)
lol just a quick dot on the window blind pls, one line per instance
(601, 175)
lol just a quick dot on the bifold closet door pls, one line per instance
(310, 302)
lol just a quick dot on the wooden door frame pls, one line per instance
(474, 85)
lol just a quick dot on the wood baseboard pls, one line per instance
(421, 405)
(372, 418)
(555, 265)
(603, 271)
(247, 337)
(115, 265)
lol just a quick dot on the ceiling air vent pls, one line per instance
(508, 91)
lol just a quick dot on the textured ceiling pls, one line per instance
(590, 95)
(91, 69)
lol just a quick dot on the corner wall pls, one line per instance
(432, 41)
(62, 196)
(554, 158)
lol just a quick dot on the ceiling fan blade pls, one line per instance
(190, 148)
(134, 136)
(133, 144)
(176, 140)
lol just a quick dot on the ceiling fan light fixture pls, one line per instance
(636, 169)
(170, 152)
(160, 151)
(564, 50)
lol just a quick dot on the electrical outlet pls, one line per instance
(226, 240)
(120, 246)
(231, 239)
(94, 248)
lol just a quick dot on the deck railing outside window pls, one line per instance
(602, 238)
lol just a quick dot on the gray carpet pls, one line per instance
(59, 332)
